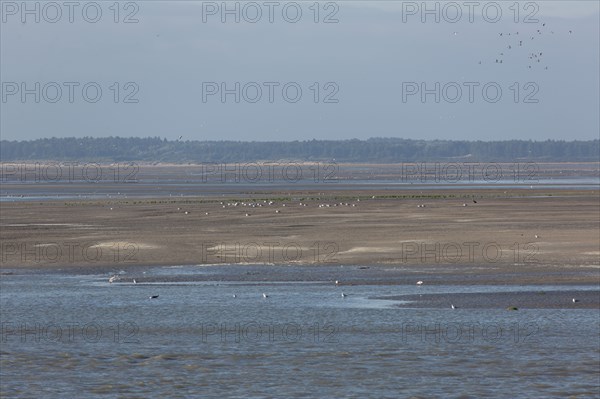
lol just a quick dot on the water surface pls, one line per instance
(77, 335)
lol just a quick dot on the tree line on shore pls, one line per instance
(374, 150)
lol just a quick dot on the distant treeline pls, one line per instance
(155, 149)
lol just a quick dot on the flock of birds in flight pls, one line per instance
(519, 39)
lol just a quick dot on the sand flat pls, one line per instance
(497, 233)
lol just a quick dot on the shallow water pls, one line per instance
(77, 335)
(23, 191)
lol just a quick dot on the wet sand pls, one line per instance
(542, 299)
(526, 236)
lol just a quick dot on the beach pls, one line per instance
(528, 236)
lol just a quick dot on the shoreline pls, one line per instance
(346, 275)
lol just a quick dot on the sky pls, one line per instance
(300, 70)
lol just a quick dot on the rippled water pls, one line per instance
(77, 335)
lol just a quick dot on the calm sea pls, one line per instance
(67, 335)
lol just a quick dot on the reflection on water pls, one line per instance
(77, 335)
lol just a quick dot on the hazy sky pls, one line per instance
(362, 76)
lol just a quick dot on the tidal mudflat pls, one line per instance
(489, 292)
